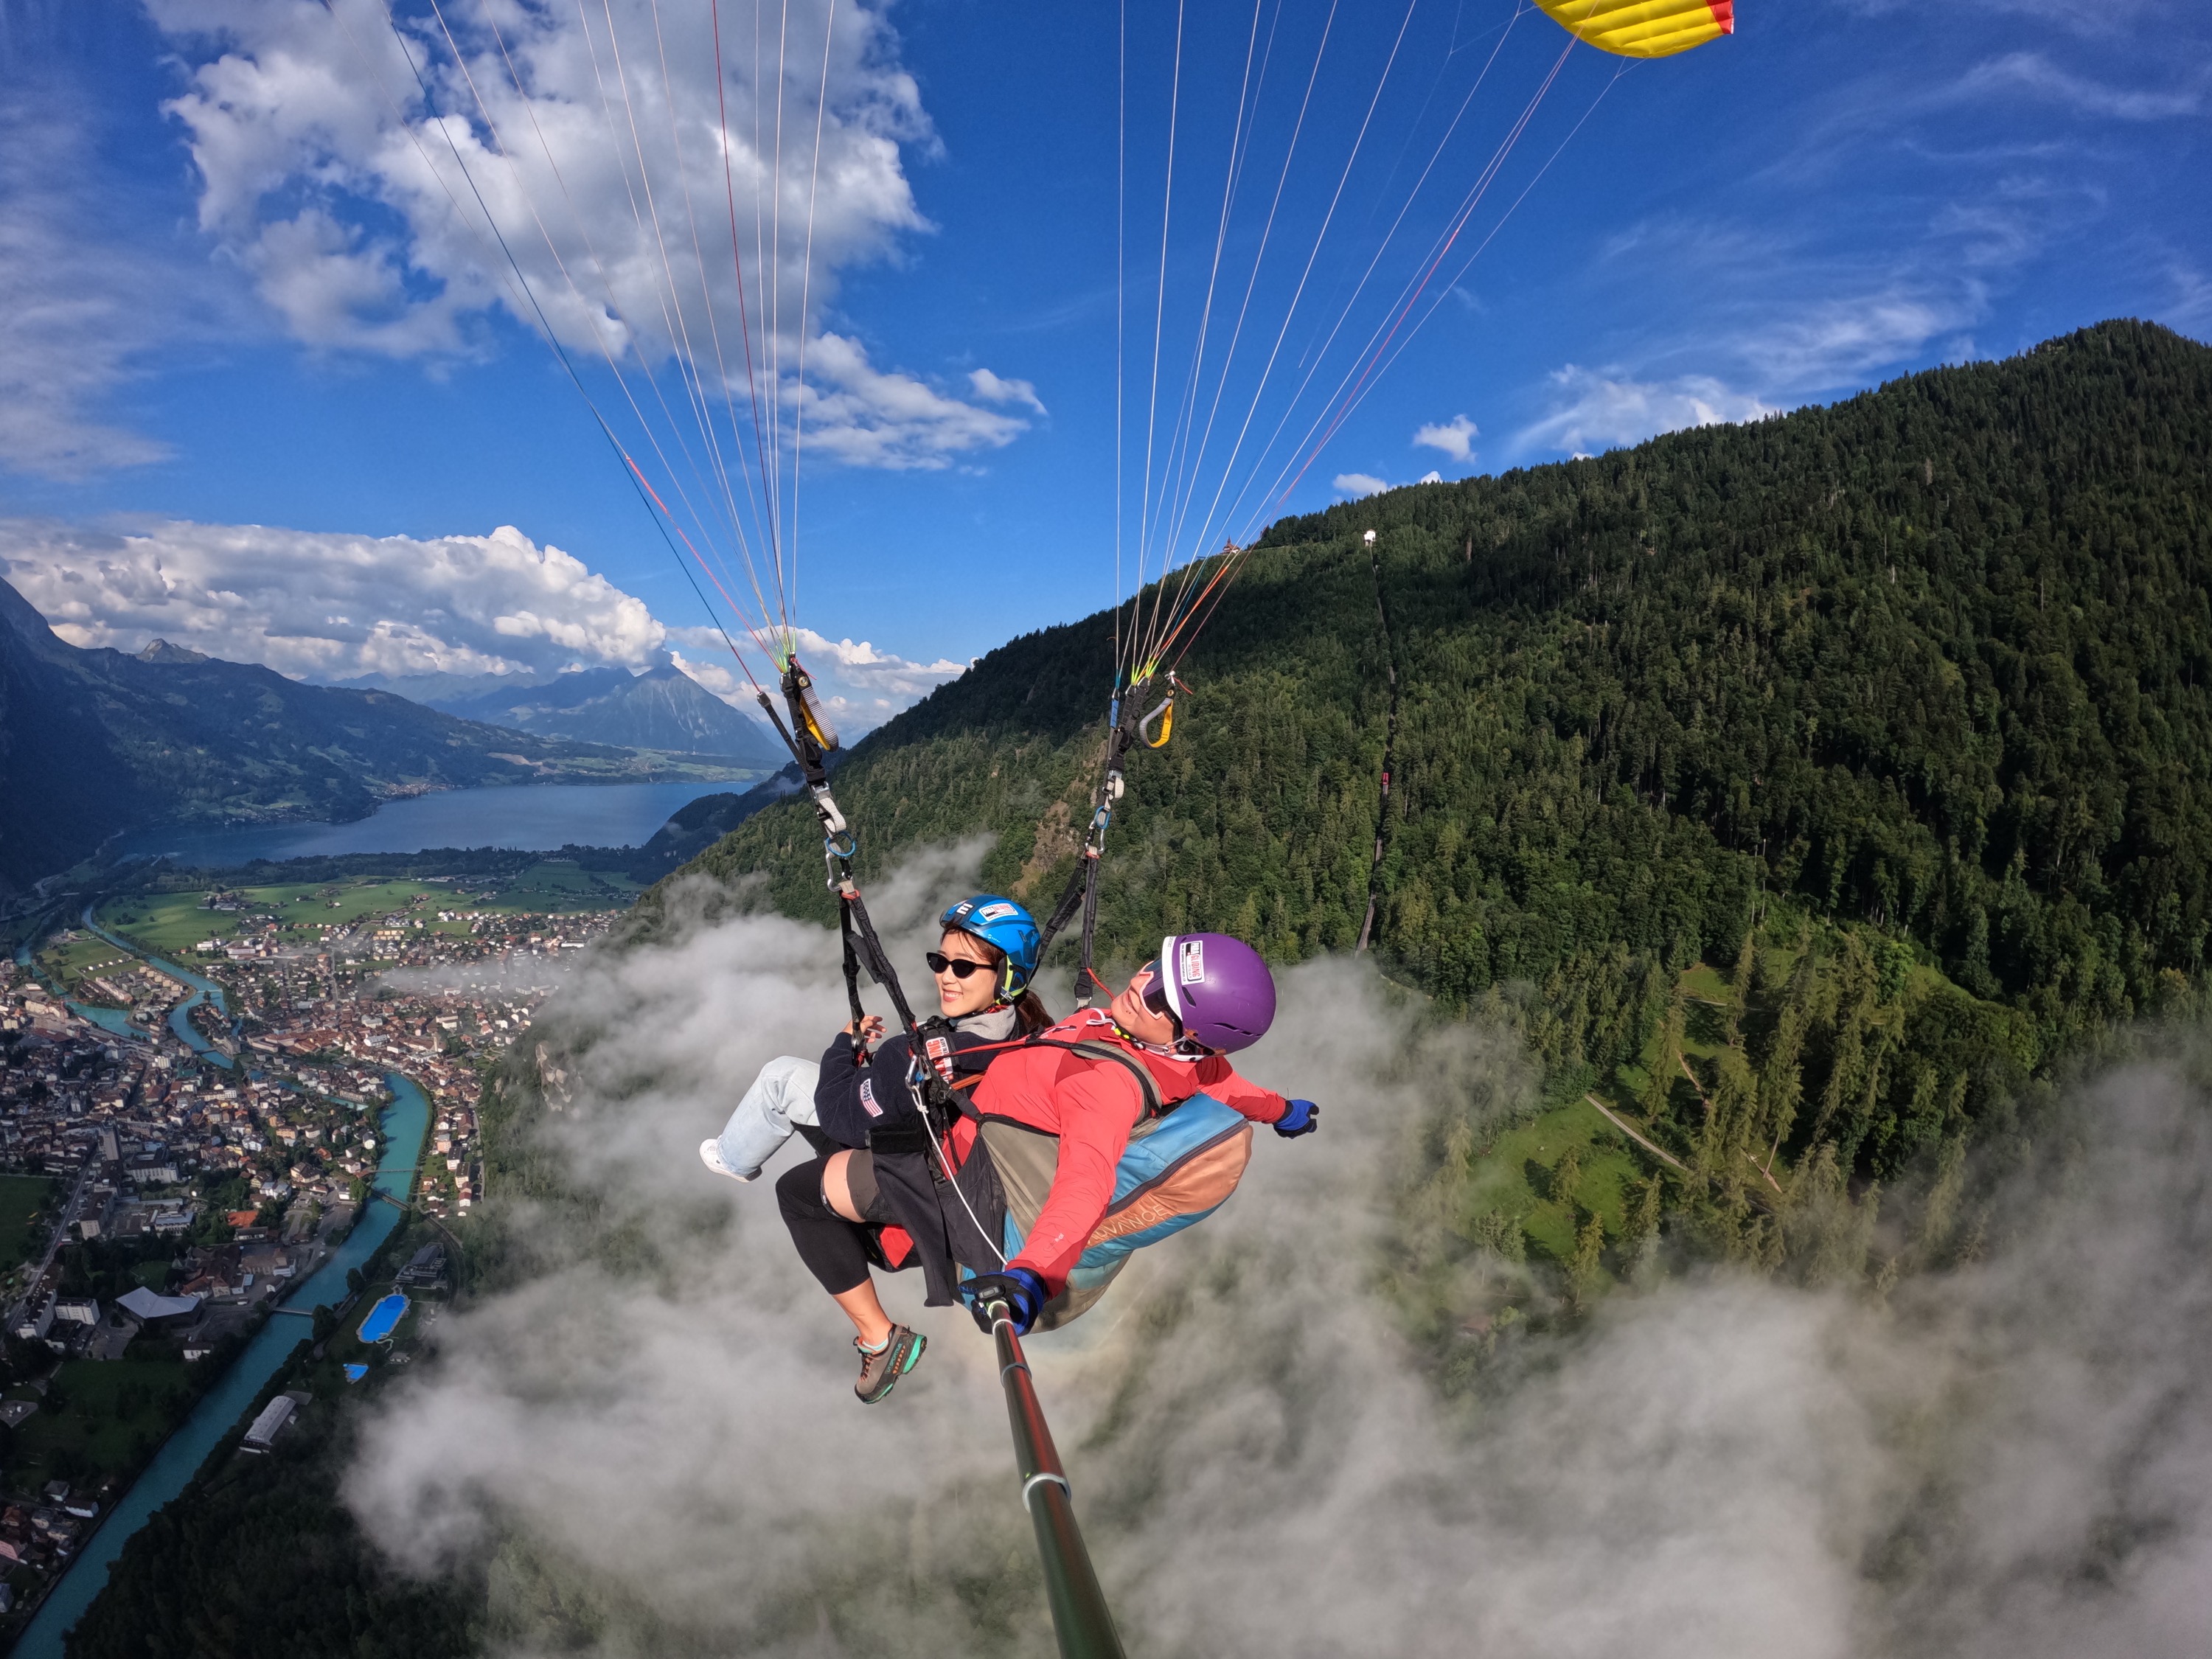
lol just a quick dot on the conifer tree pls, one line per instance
(1584, 1266)
(1567, 1177)
(1667, 1063)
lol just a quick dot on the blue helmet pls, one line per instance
(1006, 927)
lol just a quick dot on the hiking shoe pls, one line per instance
(882, 1368)
(710, 1154)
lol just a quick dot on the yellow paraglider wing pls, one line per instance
(1644, 28)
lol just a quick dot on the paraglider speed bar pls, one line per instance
(1080, 1619)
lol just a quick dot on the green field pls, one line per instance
(555, 886)
(173, 923)
(21, 1197)
(112, 1413)
(73, 956)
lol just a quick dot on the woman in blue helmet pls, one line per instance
(855, 1098)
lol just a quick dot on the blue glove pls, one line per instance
(1303, 1118)
(1022, 1290)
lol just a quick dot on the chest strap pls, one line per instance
(1148, 1086)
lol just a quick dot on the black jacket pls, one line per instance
(852, 1100)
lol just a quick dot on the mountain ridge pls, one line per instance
(95, 741)
(663, 708)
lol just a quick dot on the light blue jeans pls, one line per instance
(782, 1095)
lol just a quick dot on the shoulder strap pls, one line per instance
(1148, 1084)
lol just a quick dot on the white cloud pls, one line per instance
(1455, 437)
(596, 140)
(866, 417)
(1594, 411)
(328, 606)
(2010, 1458)
(863, 687)
(1431, 476)
(2190, 307)
(1356, 484)
(993, 389)
(1833, 341)
(2106, 17)
(76, 316)
(2031, 73)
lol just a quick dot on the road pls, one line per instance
(54, 1245)
(1758, 1199)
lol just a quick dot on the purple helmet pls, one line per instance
(1217, 988)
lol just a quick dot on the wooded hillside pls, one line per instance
(1925, 668)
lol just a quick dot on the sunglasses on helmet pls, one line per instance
(958, 967)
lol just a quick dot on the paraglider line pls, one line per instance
(1360, 379)
(805, 290)
(744, 316)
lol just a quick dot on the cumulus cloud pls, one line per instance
(993, 389)
(1354, 485)
(1594, 410)
(326, 606)
(863, 687)
(629, 185)
(329, 606)
(866, 416)
(1455, 437)
(2011, 1458)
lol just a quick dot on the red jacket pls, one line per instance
(1092, 1105)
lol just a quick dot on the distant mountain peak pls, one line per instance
(162, 650)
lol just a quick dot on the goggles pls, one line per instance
(1155, 997)
(1155, 994)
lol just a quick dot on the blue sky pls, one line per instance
(244, 294)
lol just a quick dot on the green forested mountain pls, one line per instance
(1907, 694)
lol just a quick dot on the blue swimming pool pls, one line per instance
(354, 1373)
(383, 1318)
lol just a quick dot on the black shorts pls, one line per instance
(952, 1225)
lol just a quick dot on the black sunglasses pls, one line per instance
(959, 967)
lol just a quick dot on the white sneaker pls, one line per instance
(710, 1154)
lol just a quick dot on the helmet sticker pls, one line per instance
(1190, 962)
(995, 912)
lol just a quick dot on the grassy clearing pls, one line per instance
(22, 1199)
(73, 958)
(167, 924)
(1518, 1177)
(103, 1416)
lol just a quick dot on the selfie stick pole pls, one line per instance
(1080, 1618)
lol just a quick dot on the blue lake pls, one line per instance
(218, 1413)
(527, 818)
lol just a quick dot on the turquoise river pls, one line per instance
(218, 1413)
